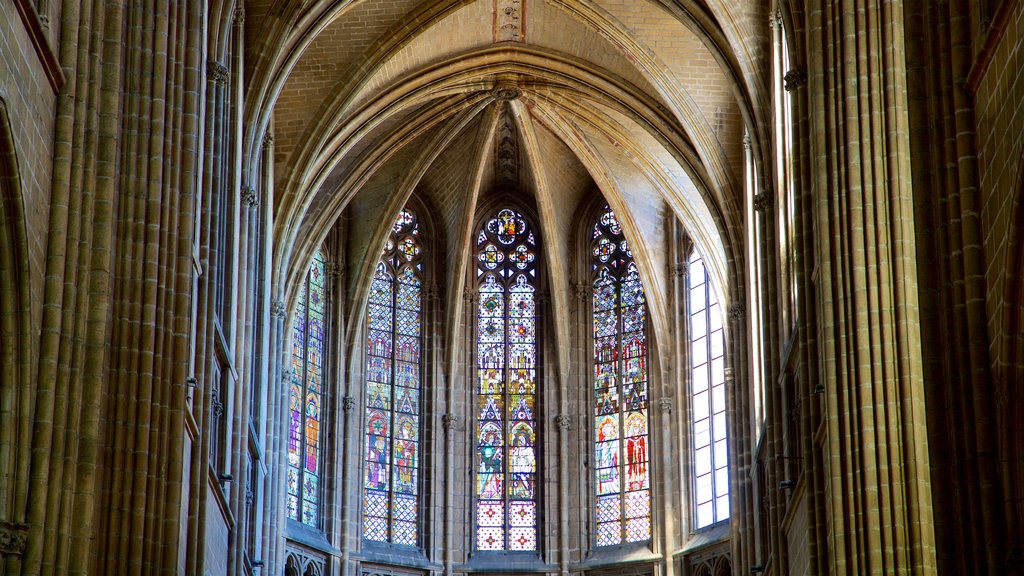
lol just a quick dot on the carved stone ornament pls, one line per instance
(433, 293)
(581, 290)
(249, 197)
(217, 72)
(563, 421)
(666, 404)
(277, 309)
(286, 375)
(469, 295)
(736, 311)
(450, 421)
(268, 139)
(746, 140)
(682, 269)
(335, 269)
(763, 201)
(13, 538)
(506, 93)
(347, 404)
(775, 19)
(795, 78)
(240, 13)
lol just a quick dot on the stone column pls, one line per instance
(879, 495)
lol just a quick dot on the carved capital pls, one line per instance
(286, 375)
(450, 421)
(795, 78)
(249, 197)
(268, 138)
(681, 269)
(581, 290)
(763, 201)
(348, 404)
(736, 311)
(563, 421)
(335, 268)
(239, 15)
(775, 19)
(217, 72)
(277, 309)
(666, 405)
(433, 292)
(13, 538)
(469, 295)
(746, 140)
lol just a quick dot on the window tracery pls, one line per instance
(305, 397)
(507, 385)
(394, 371)
(707, 399)
(621, 391)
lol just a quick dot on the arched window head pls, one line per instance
(394, 369)
(621, 391)
(305, 424)
(506, 385)
(707, 399)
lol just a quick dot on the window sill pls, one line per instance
(310, 538)
(496, 562)
(622, 554)
(395, 555)
(714, 534)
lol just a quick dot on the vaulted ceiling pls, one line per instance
(550, 102)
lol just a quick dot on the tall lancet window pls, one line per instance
(622, 481)
(305, 426)
(506, 385)
(707, 399)
(394, 368)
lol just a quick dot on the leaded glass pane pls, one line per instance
(393, 368)
(305, 396)
(506, 357)
(707, 400)
(622, 478)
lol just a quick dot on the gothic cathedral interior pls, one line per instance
(518, 287)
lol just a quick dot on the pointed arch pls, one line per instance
(507, 384)
(394, 378)
(622, 486)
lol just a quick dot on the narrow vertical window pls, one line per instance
(622, 481)
(707, 399)
(393, 383)
(506, 390)
(305, 397)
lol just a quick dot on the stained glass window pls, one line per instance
(707, 399)
(621, 392)
(393, 377)
(305, 424)
(506, 385)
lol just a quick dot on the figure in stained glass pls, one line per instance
(506, 334)
(304, 425)
(394, 345)
(620, 383)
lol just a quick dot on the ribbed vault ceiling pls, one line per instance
(552, 103)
